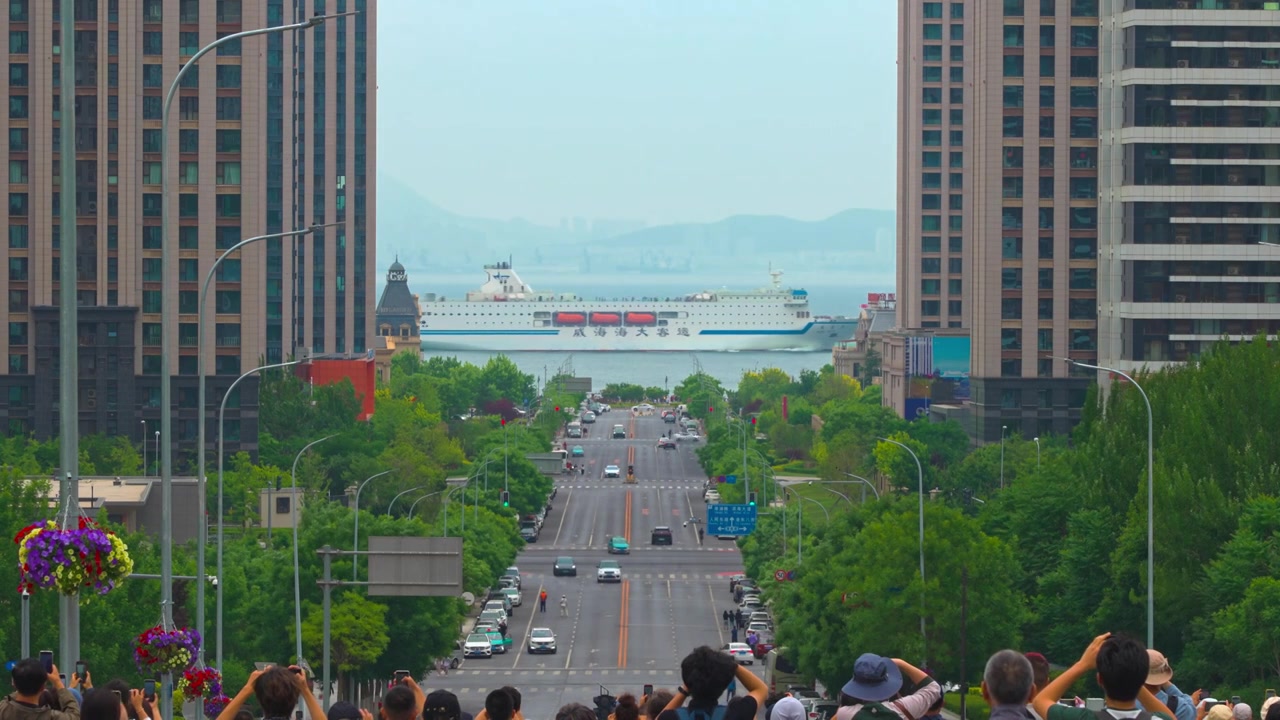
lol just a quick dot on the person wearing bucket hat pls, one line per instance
(1160, 683)
(878, 681)
(1120, 665)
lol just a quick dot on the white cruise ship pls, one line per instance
(507, 314)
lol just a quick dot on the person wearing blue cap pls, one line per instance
(877, 686)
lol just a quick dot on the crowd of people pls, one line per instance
(1137, 684)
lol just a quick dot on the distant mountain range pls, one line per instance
(430, 240)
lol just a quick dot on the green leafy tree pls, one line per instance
(358, 634)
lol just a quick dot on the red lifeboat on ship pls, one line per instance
(568, 318)
(641, 318)
(606, 318)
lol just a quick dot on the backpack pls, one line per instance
(685, 713)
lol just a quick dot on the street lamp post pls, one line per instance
(864, 481)
(402, 494)
(424, 497)
(1003, 428)
(168, 288)
(924, 638)
(144, 453)
(201, 514)
(1151, 495)
(1036, 440)
(823, 485)
(222, 409)
(293, 517)
(355, 537)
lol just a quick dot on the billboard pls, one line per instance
(937, 372)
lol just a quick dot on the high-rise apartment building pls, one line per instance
(1190, 177)
(1120, 170)
(1008, 252)
(267, 134)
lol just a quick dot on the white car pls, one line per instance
(687, 437)
(477, 645)
(608, 571)
(611, 471)
(513, 594)
(740, 652)
(542, 640)
(711, 496)
(759, 627)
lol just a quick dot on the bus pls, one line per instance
(780, 673)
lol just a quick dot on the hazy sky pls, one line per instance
(656, 110)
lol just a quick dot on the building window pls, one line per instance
(955, 265)
(1013, 96)
(957, 53)
(1084, 340)
(1046, 278)
(1046, 248)
(931, 201)
(229, 108)
(931, 223)
(931, 244)
(957, 95)
(18, 333)
(931, 95)
(228, 206)
(228, 173)
(188, 302)
(1084, 66)
(955, 138)
(931, 181)
(957, 74)
(956, 116)
(17, 204)
(19, 11)
(933, 53)
(1044, 367)
(188, 43)
(1011, 398)
(1044, 309)
(228, 141)
(1084, 97)
(930, 265)
(931, 138)
(1084, 8)
(955, 181)
(930, 286)
(956, 159)
(1010, 278)
(1011, 218)
(152, 75)
(1044, 219)
(1013, 8)
(1085, 188)
(932, 31)
(19, 269)
(189, 172)
(955, 307)
(955, 244)
(1013, 65)
(1011, 247)
(928, 158)
(1010, 368)
(229, 76)
(1046, 188)
(1081, 310)
(1013, 36)
(1046, 126)
(933, 10)
(1084, 127)
(931, 73)
(189, 141)
(1044, 340)
(1012, 158)
(930, 308)
(1011, 308)
(955, 202)
(1084, 279)
(1084, 36)
(955, 286)
(228, 301)
(957, 11)
(1010, 339)
(1084, 248)
(18, 236)
(1011, 188)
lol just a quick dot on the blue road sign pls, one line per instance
(726, 519)
(731, 479)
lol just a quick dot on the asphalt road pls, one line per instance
(617, 635)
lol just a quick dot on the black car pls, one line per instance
(661, 536)
(565, 566)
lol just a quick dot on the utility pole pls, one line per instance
(68, 324)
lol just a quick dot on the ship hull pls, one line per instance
(818, 335)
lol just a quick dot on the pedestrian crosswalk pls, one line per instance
(682, 577)
(531, 677)
(614, 485)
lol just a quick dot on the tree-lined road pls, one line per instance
(619, 635)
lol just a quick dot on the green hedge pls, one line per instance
(977, 710)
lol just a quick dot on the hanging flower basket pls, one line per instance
(204, 684)
(158, 650)
(71, 561)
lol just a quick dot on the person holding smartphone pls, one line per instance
(137, 706)
(29, 678)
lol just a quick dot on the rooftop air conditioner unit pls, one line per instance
(1180, 298)
(1180, 347)
(1233, 269)
(1235, 95)
(1233, 62)
(1184, 63)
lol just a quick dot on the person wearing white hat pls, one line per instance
(1160, 683)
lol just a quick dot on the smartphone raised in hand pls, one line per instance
(401, 674)
(1235, 699)
(263, 665)
(1271, 693)
(149, 690)
(81, 669)
(648, 690)
(46, 659)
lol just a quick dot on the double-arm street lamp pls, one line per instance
(355, 539)
(168, 293)
(402, 494)
(924, 638)
(222, 409)
(1151, 493)
(822, 484)
(864, 481)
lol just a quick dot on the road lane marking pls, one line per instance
(718, 619)
(564, 513)
(528, 626)
(691, 517)
(626, 523)
(623, 617)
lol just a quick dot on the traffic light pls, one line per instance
(753, 419)
(711, 409)
(751, 499)
(503, 421)
(557, 408)
(506, 499)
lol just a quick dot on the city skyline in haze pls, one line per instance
(661, 113)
